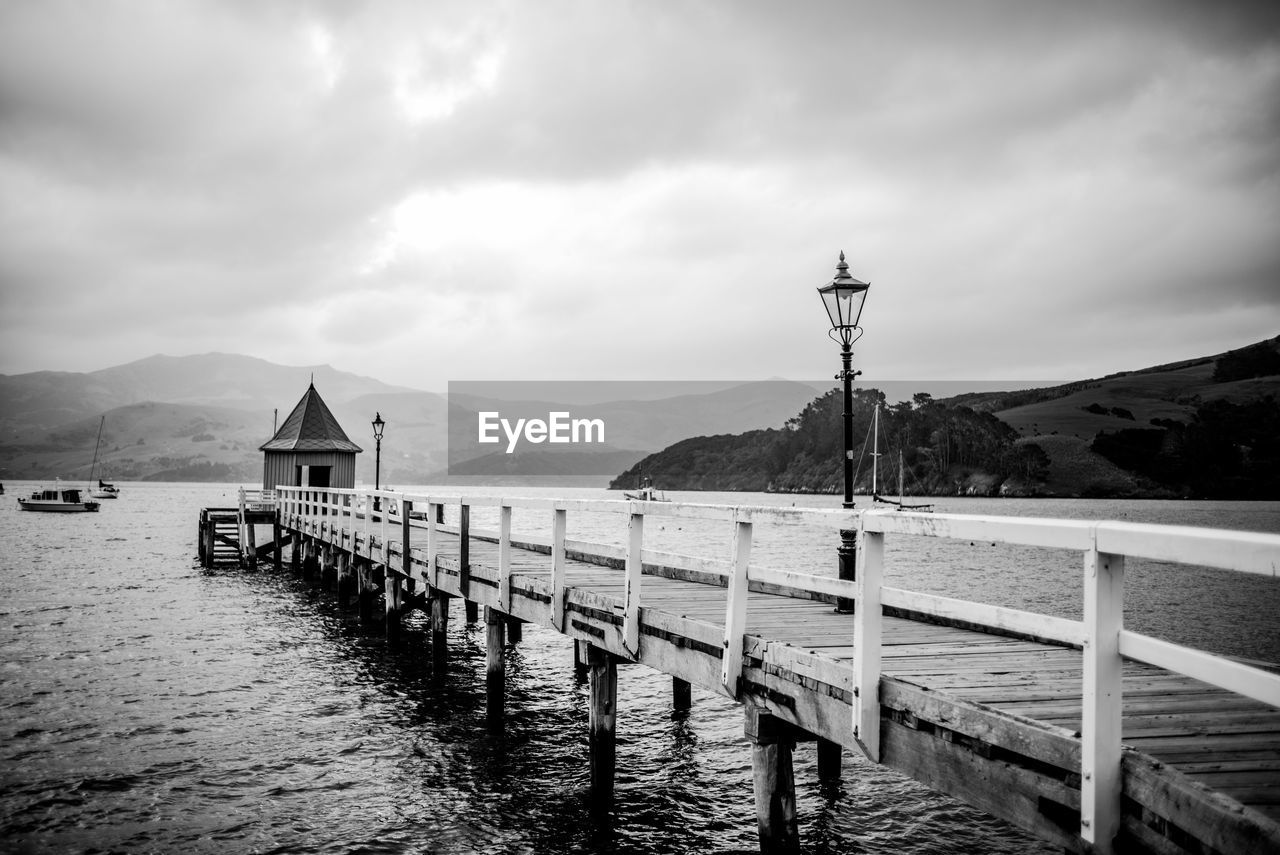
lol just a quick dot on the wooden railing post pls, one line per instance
(406, 558)
(368, 523)
(464, 551)
(504, 559)
(1100, 782)
(867, 623)
(558, 526)
(386, 547)
(631, 594)
(735, 621)
(433, 546)
(240, 535)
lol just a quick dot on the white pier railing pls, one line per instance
(1101, 635)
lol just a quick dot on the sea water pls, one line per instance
(149, 705)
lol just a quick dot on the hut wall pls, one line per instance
(281, 468)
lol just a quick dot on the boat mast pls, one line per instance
(900, 478)
(94, 467)
(875, 450)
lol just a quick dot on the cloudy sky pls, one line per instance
(427, 191)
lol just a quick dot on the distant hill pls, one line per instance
(199, 418)
(1208, 426)
(203, 418)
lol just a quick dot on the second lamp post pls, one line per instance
(378, 426)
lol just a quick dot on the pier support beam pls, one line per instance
(775, 786)
(328, 566)
(250, 546)
(580, 657)
(471, 610)
(276, 534)
(206, 540)
(295, 552)
(393, 597)
(439, 630)
(515, 630)
(345, 581)
(495, 666)
(828, 759)
(681, 694)
(602, 723)
(310, 559)
(364, 591)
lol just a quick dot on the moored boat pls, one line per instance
(57, 499)
(646, 492)
(104, 490)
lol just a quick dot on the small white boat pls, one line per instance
(58, 500)
(646, 493)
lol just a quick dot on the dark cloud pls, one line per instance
(460, 172)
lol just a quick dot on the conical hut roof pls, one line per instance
(311, 427)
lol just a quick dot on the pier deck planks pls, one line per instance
(1019, 698)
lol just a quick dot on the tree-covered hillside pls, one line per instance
(943, 449)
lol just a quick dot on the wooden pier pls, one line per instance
(1086, 734)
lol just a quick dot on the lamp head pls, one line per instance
(844, 297)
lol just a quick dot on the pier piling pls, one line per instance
(602, 723)
(774, 782)
(495, 666)
(681, 694)
(393, 600)
(439, 630)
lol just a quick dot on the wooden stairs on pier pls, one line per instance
(219, 541)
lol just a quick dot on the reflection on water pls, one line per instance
(152, 706)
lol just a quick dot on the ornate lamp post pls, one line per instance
(378, 426)
(844, 297)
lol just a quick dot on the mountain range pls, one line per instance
(203, 418)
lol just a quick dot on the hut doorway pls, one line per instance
(313, 476)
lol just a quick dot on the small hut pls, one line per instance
(310, 449)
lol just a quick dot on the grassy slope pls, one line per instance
(1064, 428)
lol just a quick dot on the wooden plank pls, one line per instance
(1015, 794)
(1211, 818)
(1028, 737)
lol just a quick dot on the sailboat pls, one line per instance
(875, 467)
(104, 490)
